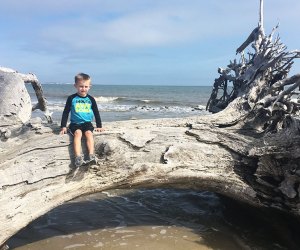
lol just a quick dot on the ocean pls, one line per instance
(124, 102)
(146, 219)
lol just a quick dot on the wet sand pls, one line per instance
(151, 219)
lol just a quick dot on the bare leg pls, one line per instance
(77, 142)
(90, 141)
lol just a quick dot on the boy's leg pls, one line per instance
(77, 142)
(90, 141)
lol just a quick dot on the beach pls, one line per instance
(179, 167)
(150, 218)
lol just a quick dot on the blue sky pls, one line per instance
(164, 42)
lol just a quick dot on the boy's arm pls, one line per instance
(63, 131)
(96, 113)
(65, 113)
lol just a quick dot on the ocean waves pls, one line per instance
(117, 112)
(125, 104)
(106, 99)
(105, 107)
(132, 102)
(149, 108)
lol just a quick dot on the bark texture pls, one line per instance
(263, 102)
(37, 174)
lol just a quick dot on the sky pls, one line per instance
(144, 42)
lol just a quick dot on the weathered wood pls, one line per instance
(15, 103)
(36, 172)
(261, 15)
(36, 169)
(251, 38)
(253, 79)
(31, 78)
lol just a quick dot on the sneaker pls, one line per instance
(92, 158)
(79, 161)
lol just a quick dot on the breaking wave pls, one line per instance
(105, 99)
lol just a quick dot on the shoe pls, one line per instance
(79, 161)
(92, 159)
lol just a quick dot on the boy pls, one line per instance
(83, 107)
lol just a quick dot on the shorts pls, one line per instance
(86, 126)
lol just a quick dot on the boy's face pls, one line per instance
(83, 87)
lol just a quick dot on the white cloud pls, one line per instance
(115, 34)
(143, 29)
(163, 26)
(102, 25)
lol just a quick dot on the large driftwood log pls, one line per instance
(37, 174)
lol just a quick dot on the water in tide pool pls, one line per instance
(158, 219)
(132, 102)
(152, 219)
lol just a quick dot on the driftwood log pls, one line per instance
(249, 151)
(12, 76)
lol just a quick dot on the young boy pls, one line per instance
(83, 107)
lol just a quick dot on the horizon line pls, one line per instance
(113, 84)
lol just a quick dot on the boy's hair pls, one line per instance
(82, 76)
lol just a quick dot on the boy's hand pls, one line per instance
(99, 129)
(63, 131)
